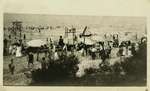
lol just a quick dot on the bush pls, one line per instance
(136, 65)
(57, 69)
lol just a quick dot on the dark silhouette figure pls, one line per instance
(30, 59)
(61, 41)
(11, 67)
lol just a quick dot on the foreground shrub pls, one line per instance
(59, 69)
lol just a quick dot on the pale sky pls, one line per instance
(79, 7)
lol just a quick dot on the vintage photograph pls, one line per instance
(74, 50)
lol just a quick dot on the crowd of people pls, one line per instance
(55, 50)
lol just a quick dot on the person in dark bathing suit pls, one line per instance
(30, 59)
(11, 67)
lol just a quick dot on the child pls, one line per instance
(12, 67)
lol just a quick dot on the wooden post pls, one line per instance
(73, 31)
(84, 39)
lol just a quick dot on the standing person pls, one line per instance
(18, 51)
(93, 51)
(50, 40)
(39, 30)
(133, 51)
(103, 55)
(108, 50)
(129, 52)
(61, 41)
(24, 36)
(20, 42)
(14, 48)
(5, 46)
(24, 39)
(9, 36)
(9, 40)
(30, 59)
(11, 67)
(50, 46)
(43, 64)
(15, 41)
(121, 53)
(46, 50)
(5, 42)
(47, 41)
(56, 56)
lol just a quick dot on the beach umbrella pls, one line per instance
(36, 43)
(98, 38)
(88, 41)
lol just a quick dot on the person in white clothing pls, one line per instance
(56, 57)
(93, 51)
(18, 51)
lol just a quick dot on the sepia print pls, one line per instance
(73, 50)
